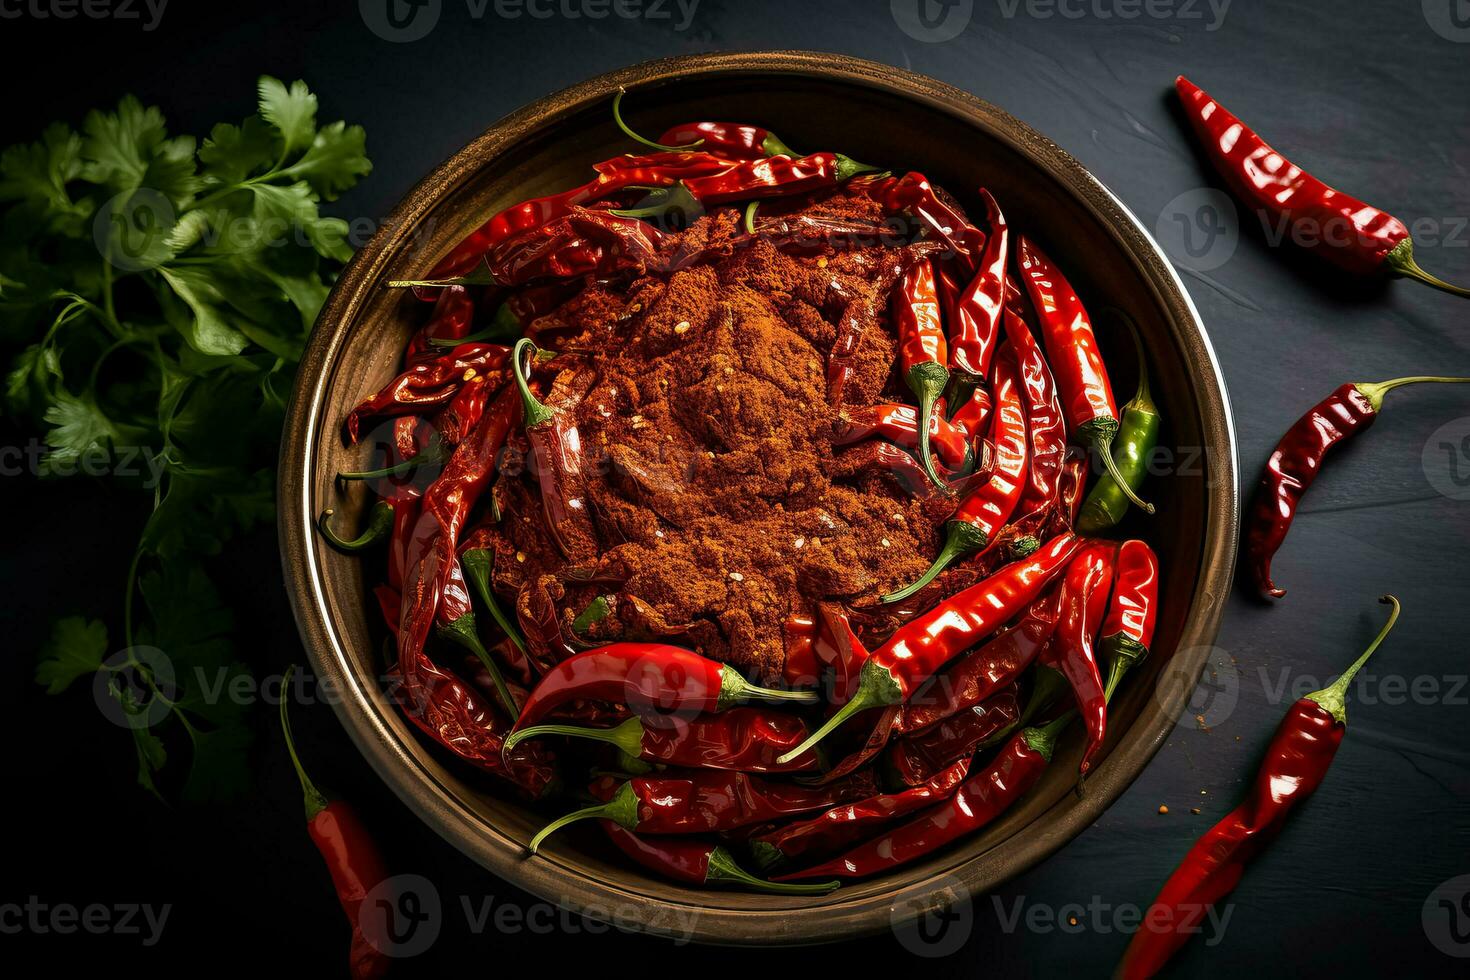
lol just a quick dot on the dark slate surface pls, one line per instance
(1371, 94)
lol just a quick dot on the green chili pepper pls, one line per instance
(597, 610)
(1138, 434)
(379, 527)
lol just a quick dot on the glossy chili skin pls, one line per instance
(1138, 434)
(885, 457)
(915, 759)
(863, 312)
(453, 313)
(581, 242)
(696, 862)
(975, 327)
(899, 424)
(1071, 485)
(430, 383)
(707, 800)
(973, 416)
(738, 141)
(922, 350)
(799, 640)
(651, 677)
(985, 671)
(556, 450)
(772, 176)
(827, 833)
(356, 865)
(1296, 761)
(1046, 427)
(1293, 466)
(1133, 610)
(985, 795)
(1072, 648)
(912, 193)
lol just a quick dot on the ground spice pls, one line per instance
(701, 400)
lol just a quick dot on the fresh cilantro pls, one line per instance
(155, 296)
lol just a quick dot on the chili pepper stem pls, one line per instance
(1375, 390)
(502, 327)
(722, 868)
(735, 689)
(627, 736)
(1043, 740)
(379, 527)
(480, 277)
(622, 810)
(597, 610)
(1333, 698)
(848, 168)
(677, 200)
(750, 210)
(927, 382)
(462, 631)
(536, 413)
(1098, 435)
(960, 539)
(876, 688)
(434, 452)
(316, 802)
(1126, 652)
(1400, 260)
(628, 131)
(477, 567)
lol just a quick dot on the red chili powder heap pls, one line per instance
(701, 400)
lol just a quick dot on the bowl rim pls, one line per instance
(361, 709)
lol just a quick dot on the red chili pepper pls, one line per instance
(737, 141)
(913, 193)
(832, 830)
(556, 447)
(921, 350)
(983, 672)
(581, 242)
(429, 384)
(985, 510)
(1297, 759)
(455, 622)
(648, 676)
(1341, 229)
(1070, 650)
(1070, 487)
(799, 639)
(747, 739)
(746, 180)
(899, 424)
(863, 311)
(701, 801)
(453, 313)
(974, 328)
(973, 416)
(906, 471)
(917, 650)
(351, 855)
(1132, 612)
(1297, 460)
(915, 759)
(1045, 426)
(1071, 347)
(985, 795)
(697, 862)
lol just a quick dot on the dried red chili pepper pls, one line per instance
(556, 447)
(917, 650)
(1132, 612)
(1070, 651)
(906, 471)
(1376, 241)
(985, 795)
(449, 322)
(973, 416)
(986, 670)
(922, 351)
(744, 180)
(863, 311)
(1296, 761)
(429, 384)
(747, 739)
(1070, 487)
(913, 193)
(737, 141)
(700, 863)
(985, 509)
(478, 564)
(899, 424)
(455, 623)
(649, 676)
(1071, 347)
(974, 327)
(1297, 459)
(351, 855)
(799, 640)
(915, 759)
(1046, 427)
(700, 801)
(842, 826)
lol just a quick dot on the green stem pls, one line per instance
(597, 610)
(927, 382)
(315, 801)
(536, 413)
(1400, 261)
(632, 135)
(477, 565)
(1375, 390)
(723, 869)
(1043, 740)
(482, 276)
(1124, 652)
(379, 528)
(750, 210)
(1098, 434)
(627, 736)
(463, 632)
(877, 687)
(1333, 698)
(435, 452)
(961, 538)
(622, 810)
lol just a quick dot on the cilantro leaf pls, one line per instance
(336, 160)
(291, 110)
(78, 427)
(209, 332)
(76, 649)
(233, 153)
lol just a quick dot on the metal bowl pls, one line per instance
(874, 113)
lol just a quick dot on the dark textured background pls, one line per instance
(1367, 93)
